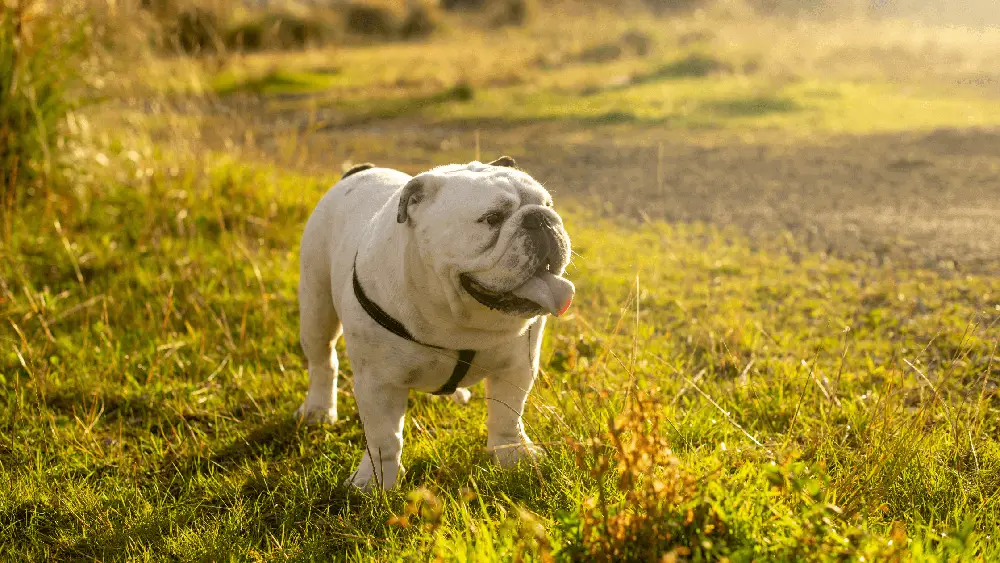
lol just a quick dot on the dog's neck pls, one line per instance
(390, 270)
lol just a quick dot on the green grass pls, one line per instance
(150, 366)
(275, 82)
(719, 78)
(813, 408)
(735, 103)
(39, 83)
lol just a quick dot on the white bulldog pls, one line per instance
(436, 281)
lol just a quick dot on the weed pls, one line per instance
(419, 22)
(461, 92)
(278, 30)
(463, 4)
(514, 12)
(657, 513)
(364, 19)
(184, 26)
(40, 54)
(423, 507)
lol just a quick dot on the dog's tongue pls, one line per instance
(552, 292)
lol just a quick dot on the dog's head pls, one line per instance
(491, 231)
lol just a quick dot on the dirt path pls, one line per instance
(929, 199)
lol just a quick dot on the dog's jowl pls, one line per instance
(436, 281)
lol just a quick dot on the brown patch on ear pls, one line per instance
(504, 161)
(357, 168)
(413, 192)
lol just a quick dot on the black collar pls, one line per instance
(386, 321)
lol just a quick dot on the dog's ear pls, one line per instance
(504, 161)
(413, 192)
(359, 168)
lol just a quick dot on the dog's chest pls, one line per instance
(430, 370)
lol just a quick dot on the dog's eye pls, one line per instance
(547, 203)
(493, 218)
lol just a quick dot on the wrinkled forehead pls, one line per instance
(483, 182)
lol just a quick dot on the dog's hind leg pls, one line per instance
(319, 329)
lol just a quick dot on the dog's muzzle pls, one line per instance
(544, 291)
(549, 243)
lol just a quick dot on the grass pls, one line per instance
(38, 77)
(690, 73)
(735, 103)
(275, 81)
(151, 367)
(710, 395)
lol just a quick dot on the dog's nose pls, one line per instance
(534, 220)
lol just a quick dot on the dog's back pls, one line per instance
(339, 220)
(360, 193)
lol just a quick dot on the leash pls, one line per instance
(386, 321)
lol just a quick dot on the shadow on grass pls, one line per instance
(37, 518)
(611, 117)
(260, 465)
(692, 66)
(261, 479)
(273, 440)
(70, 401)
(278, 81)
(395, 108)
(752, 107)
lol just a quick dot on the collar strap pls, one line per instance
(386, 321)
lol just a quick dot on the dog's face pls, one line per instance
(491, 233)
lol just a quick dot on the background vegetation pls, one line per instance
(783, 346)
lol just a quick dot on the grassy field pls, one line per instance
(153, 366)
(717, 391)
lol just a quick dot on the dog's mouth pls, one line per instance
(542, 293)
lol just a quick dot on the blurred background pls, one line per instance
(860, 127)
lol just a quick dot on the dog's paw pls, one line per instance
(509, 455)
(461, 396)
(316, 414)
(365, 480)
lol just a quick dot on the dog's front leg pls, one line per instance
(506, 394)
(382, 408)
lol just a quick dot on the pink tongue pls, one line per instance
(551, 292)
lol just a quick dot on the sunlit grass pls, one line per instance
(684, 73)
(725, 102)
(275, 82)
(815, 408)
(152, 366)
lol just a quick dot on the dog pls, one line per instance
(436, 282)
